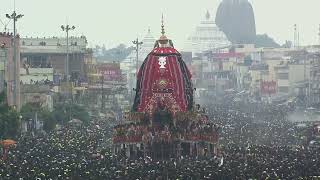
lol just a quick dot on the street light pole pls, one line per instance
(138, 44)
(67, 28)
(103, 100)
(14, 16)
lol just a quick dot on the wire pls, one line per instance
(5, 24)
(2, 22)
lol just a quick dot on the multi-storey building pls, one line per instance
(52, 53)
(314, 87)
(9, 68)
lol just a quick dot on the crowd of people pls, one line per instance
(41, 82)
(26, 66)
(257, 142)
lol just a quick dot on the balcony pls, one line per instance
(36, 71)
(52, 49)
(34, 88)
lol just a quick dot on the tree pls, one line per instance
(263, 40)
(81, 113)
(118, 53)
(49, 122)
(9, 119)
(65, 112)
(28, 112)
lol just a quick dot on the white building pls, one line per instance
(291, 75)
(207, 36)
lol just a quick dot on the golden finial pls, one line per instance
(162, 26)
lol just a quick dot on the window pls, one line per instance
(42, 43)
(283, 89)
(283, 76)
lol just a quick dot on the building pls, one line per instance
(105, 88)
(242, 75)
(36, 75)
(314, 86)
(36, 84)
(38, 95)
(9, 68)
(215, 72)
(52, 53)
(257, 75)
(207, 36)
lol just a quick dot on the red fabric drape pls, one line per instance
(166, 84)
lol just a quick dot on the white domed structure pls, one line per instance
(207, 36)
(147, 46)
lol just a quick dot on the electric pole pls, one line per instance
(103, 97)
(14, 16)
(138, 44)
(67, 28)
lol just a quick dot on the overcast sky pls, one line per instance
(112, 22)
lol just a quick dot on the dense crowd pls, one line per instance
(257, 142)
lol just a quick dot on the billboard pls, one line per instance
(110, 71)
(268, 87)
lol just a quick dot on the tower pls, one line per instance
(236, 19)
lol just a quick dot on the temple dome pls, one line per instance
(236, 19)
(207, 36)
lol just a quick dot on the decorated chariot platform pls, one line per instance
(164, 121)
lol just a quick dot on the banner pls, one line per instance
(268, 87)
(110, 71)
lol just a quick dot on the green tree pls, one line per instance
(118, 53)
(81, 113)
(263, 40)
(49, 119)
(65, 112)
(28, 111)
(9, 119)
(49, 122)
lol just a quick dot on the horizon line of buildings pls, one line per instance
(216, 64)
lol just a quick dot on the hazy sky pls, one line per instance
(112, 22)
